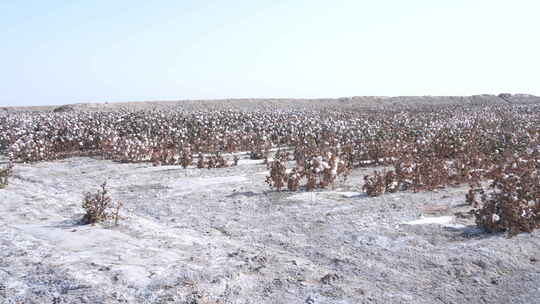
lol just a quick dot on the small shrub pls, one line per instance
(4, 175)
(186, 159)
(278, 175)
(374, 185)
(293, 182)
(380, 183)
(391, 182)
(513, 204)
(201, 163)
(260, 151)
(220, 161)
(99, 207)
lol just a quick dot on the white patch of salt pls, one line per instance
(441, 220)
(250, 161)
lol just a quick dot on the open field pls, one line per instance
(227, 233)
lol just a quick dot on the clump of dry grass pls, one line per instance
(100, 207)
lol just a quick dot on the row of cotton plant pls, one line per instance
(317, 170)
(366, 138)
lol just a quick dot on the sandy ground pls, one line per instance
(221, 236)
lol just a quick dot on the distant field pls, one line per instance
(344, 103)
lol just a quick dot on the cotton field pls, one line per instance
(274, 205)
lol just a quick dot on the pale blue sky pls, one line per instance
(57, 52)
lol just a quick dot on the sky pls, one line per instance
(60, 52)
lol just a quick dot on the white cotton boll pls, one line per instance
(325, 165)
(495, 218)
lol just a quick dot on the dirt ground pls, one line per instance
(221, 236)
